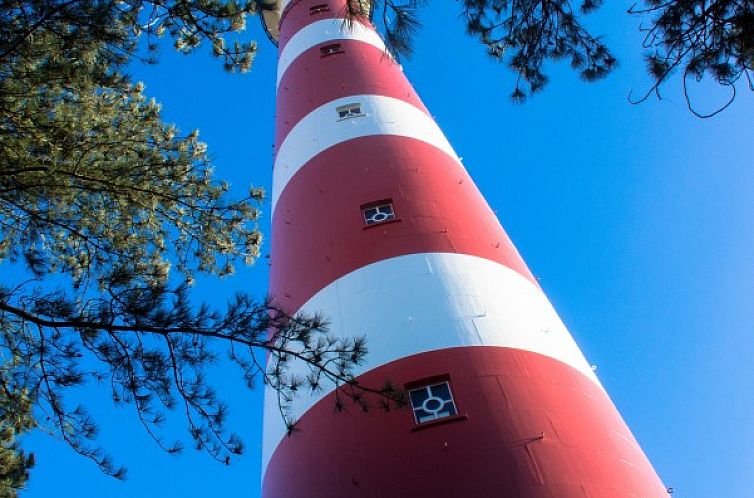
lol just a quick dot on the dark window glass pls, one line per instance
(335, 48)
(441, 390)
(418, 396)
(318, 9)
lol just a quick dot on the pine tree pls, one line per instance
(15, 419)
(111, 212)
(107, 213)
(695, 37)
(699, 38)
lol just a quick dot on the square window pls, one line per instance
(432, 402)
(332, 49)
(379, 213)
(318, 9)
(349, 111)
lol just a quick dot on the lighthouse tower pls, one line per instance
(377, 225)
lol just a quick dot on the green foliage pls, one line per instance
(527, 33)
(15, 419)
(95, 185)
(699, 38)
(111, 212)
(522, 34)
(117, 27)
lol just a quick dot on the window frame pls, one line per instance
(331, 49)
(378, 204)
(319, 9)
(429, 381)
(427, 387)
(347, 108)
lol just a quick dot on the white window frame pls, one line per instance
(377, 206)
(439, 413)
(349, 110)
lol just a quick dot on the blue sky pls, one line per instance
(638, 220)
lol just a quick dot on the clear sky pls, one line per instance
(638, 221)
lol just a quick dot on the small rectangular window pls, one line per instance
(432, 402)
(349, 111)
(332, 49)
(378, 213)
(319, 9)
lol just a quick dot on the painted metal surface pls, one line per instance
(424, 302)
(296, 19)
(311, 82)
(318, 228)
(530, 427)
(439, 291)
(322, 129)
(326, 30)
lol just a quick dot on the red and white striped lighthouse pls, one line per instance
(377, 225)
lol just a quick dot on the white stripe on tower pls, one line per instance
(328, 30)
(439, 292)
(444, 300)
(321, 129)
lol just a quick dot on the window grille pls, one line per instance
(379, 213)
(432, 402)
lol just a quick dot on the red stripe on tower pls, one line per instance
(377, 225)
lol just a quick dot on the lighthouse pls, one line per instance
(377, 225)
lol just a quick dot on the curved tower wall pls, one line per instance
(439, 290)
